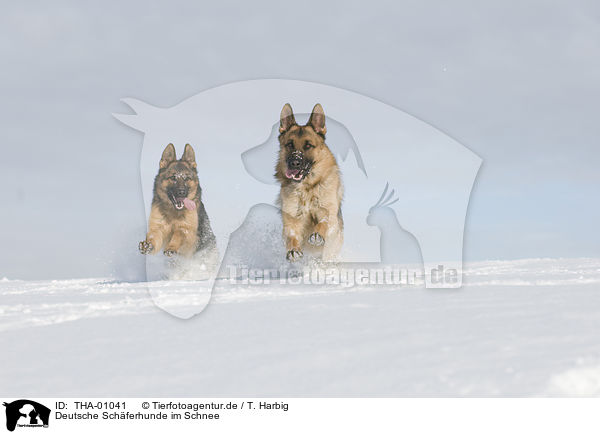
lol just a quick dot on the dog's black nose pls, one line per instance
(181, 192)
(295, 163)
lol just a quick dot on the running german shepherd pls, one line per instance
(311, 187)
(178, 221)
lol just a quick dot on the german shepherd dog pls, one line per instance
(311, 187)
(178, 222)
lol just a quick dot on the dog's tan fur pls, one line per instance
(177, 235)
(310, 208)
(183, 231)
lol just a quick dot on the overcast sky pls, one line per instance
(517, 82)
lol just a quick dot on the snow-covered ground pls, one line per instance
(516, 328)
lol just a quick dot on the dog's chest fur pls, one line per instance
(305, 197)
(185, 221)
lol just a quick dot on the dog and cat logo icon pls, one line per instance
(25, 413)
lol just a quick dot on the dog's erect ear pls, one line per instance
(317, 119)
(189, 156)
(286, 120)
(168, 156)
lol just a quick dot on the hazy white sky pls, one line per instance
(516, 82)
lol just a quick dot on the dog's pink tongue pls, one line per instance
(189, 204)
(291, 173)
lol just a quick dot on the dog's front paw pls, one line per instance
(145, 247)
(170, 252)
(316, 239)
(294, 255)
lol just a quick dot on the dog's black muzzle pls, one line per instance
(178, 195)
(297, 166)
(295, 160)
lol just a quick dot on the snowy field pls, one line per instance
(517, 328)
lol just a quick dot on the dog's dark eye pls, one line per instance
(172, 178)
(307, 146)
(290, 145)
